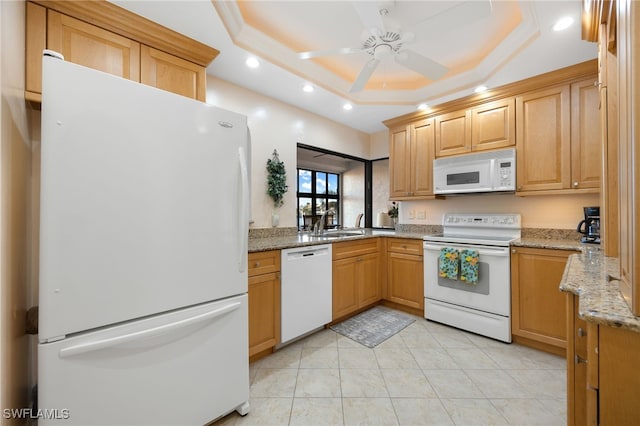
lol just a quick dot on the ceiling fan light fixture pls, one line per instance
(563, 23)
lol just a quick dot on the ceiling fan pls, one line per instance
(384, 39)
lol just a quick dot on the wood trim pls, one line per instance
(553, 78)
(552, 349)
(113, 18)
(36, 41)
(591, 17)
(404, 308)
(558, 192)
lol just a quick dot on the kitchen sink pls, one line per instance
(339, 234)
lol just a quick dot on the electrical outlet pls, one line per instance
(412, 214)
(422, 214)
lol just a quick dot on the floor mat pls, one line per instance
(374, 326)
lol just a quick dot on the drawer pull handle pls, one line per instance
(581, 332)
(256, 265)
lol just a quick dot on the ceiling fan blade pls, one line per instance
(369, 14)
(456, 17)
(421, 64)
(364, 76)
(339, 51)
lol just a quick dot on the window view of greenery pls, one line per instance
(318, 192)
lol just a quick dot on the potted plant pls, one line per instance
(276, 184)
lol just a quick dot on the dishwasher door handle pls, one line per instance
(297, 255)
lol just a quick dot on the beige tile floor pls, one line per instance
(428, 374)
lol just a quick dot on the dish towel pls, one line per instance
(469, 264)
(448, 263)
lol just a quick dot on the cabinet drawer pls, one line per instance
(405, 246)
(347, 249)
(264, 262)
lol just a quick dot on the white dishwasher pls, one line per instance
(306, 290)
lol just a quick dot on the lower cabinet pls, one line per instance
(264, 301)
(602, 379)
(356, 281)
(538, 308)
(405, 282)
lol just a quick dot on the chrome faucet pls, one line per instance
(318, 227)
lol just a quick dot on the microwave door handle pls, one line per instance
(493, 174)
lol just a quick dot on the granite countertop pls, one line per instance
(600, 301)
(279, 242)
(551, 243)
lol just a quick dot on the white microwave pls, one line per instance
(491, 171)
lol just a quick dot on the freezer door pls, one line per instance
(183, 368)
(144, 201)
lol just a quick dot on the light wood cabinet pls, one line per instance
(543, 139)
(102, 36)
(264, 301)
(538, 308)
(356, 276)
(411, 161)
(405, 272)
(602, 379)
(493, 125)
(485, 127)
(453, 133)
(629, 140)
(558, 136)
(167, 72)
(586, 134)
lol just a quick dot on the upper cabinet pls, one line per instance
(411, 160)
(559, 139)
(485, 127)
(103, 36)
(453, 133)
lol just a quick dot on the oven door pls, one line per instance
(492, 292)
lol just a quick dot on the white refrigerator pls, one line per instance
(143, 244)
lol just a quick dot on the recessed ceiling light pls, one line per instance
(252, 62)
(480, 89)
(563, 23)
(423, 107)
(347, 106)
(307, 88)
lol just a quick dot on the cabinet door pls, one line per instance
(576, 364)
(369, 282)
(345, 287)
(405, 280)
(173, 74)
(93, 47)
(493, 125)
(543, 140)
(399, 163)
(453, 133)
(538, 308)
(586, 134)
(264, 312)
(422, 152)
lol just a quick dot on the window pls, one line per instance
(318, 192)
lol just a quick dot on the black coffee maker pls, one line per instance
(590, 225)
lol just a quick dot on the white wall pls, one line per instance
(276, 125)
(543, 211)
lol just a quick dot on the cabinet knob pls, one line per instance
(520, 188)
(612, 278)
(514, 251)
(575, 184)
(581, 332)
(256, 265)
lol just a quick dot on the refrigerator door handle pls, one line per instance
(143, 334)
(243, 229)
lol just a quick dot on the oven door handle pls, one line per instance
(502, 251)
